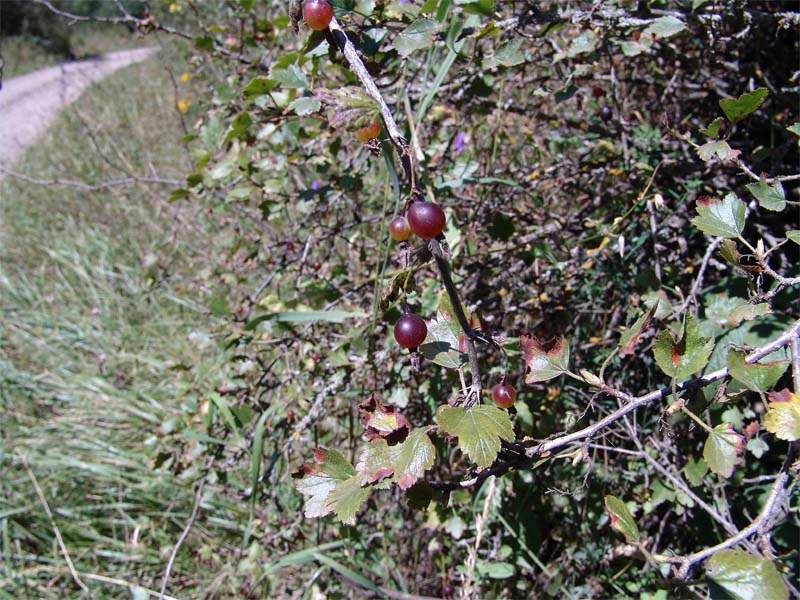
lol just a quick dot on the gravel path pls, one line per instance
(30, 103)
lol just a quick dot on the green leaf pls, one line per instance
(509, 54)
(723, 450)
(783, 415)
(240, 124)
(695, 470)
(757, 447)
(794, 128)
(755, 376)
(416, 36)
(204, 43)
(685, 355)
(305, 106)
(747, 312)
(416, 455)
(346, 499)
(720, 149)
(793, 235)
(329, 316)
(770, 197)
(712, 130)
(621, 519)
(545, 359)
(317, 482)
(724, 218)
(582, 44)
(665, 27)
(737, 109)
(178, 195)
(630, 337)
(441, 345)
(291, 77)
(479, 430)
(745, 576)
(496, 570)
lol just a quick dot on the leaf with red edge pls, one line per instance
(316, 482)
(723, 450)
(416, 455)
(758, 377)
(545, 359)
(723, 218)
(685, 354)
(376, 461)
(383, 421)
(621, 518)
(783, 415)
(633, 334)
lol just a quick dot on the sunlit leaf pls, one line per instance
(346, 499)
(719, 149)
(783, 415)
(685, 355)
(416, 455)
(630, 337)
(747, 312)
(745, 576)
(724, 218)
(737, 109)
(794, 235)
(416, 36)
(723, 450)
(479, 430)
(441, 345)
(755, 376)
(713, 128)
(665, 27)
(770, 197)
(545, 359)
(621, 518)
(304, 106)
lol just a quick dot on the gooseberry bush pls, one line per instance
(525, 274)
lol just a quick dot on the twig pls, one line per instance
(700, 274)
(631, 404)
(195, 510)
(760, 525)
(56, 530)
(90, 187)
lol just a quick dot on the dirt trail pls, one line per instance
(30, 103)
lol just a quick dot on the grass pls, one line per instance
(103, 356)
(26, 53)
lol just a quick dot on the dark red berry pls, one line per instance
(289, 247)
(399, 229)
(317, 14)
(316, 265)
(290, 415)
(410, 331)
(605, 113)
(598, 92)
(426, 219)
(504, 395)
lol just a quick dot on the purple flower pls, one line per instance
(459, 146)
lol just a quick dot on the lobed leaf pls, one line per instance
(771, 197)
(479, 430)
(346, 498)
(686, 355)
(416, 455)
(783, 415)
(755, 376)
(720, 218)
(441, 346)
(723, 450)
(545, 359)
(737, 109)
